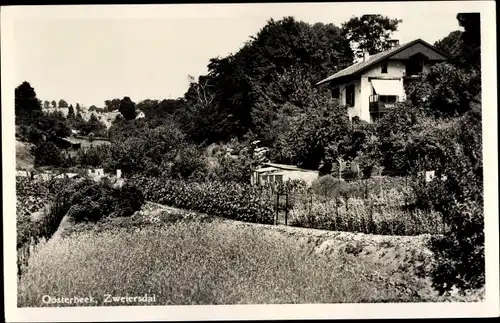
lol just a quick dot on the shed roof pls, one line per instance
(72, 141)
(288, 167)
(376, 58)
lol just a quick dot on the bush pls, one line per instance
(94, 201)
(47, 153)
(455, 151)
(128, 199)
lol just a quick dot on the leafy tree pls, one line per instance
(92, 108)
(112, 105)
(46, 153)
(78, 108)
(189, 164)
(471, 38)
(392, 132)
(451, 45)
(316, 136)
(46, 104)
(127, 108)
(71, 113)
(27, 105)
(370, 32)
(54, 103)
(63, 104)
(92, 156)
(54, 126)
(94, 126)
(78, 123)
(445, 91)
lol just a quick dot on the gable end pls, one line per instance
(416, 48)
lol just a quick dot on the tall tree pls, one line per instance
(27, 105)
(54, 104)
(46, 104)
(71, 113)
(127, 108)
(471, 37)
(78, 108)
(370, 32)
(63, 103)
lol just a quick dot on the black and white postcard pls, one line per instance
(250, 161)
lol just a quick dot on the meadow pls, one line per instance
(193, 262)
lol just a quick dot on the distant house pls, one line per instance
(139, 114)
(376, 83)
(271, 172)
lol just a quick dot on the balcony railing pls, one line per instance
(382, 103)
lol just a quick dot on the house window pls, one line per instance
(384, 68)
(336, 93)
(415, 65)
(389, 99)
(350, 95)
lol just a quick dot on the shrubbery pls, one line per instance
(228, 200)
(94, 201)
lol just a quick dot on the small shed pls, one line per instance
(271, 172)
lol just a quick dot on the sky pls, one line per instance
(89, 54)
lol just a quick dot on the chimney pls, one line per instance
(393, 43)
(366, 55)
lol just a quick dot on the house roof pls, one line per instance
(288, 167)
(376, 58)
(71, 140)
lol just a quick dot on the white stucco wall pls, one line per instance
(364, 88)
(356, 110)
(307, 176)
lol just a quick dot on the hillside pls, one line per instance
(24, 158)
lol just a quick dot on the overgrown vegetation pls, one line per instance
(82, 201)
(193, 263)
(265, 92)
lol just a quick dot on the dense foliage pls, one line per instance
(93, 201)
(233, 201)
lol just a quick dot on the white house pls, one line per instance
(369, 87)
(271, 172)
(140, 114)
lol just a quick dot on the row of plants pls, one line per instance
(372, 215)
(236, 201)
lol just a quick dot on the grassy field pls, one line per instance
(182, 261)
